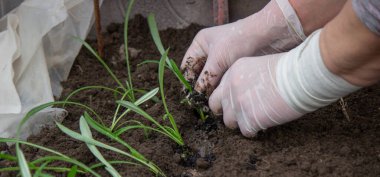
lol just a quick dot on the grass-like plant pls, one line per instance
(85, 122)
(126, 96)
(170, 64)
(171, 132)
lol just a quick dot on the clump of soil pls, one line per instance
(197, 100)
(323, 143)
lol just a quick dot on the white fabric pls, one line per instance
(10, 102)
(37, 51)
(304, 81)
(276, 28)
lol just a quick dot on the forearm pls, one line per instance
(314, 14)
(302, 17)
(349, 49)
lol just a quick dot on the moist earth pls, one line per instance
(323, 143)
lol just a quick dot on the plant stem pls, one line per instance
(130, 4)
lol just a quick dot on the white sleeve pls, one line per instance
(305, 82)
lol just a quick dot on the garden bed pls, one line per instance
(323, 143)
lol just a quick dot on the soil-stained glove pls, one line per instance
(276, 28)
(260, 92)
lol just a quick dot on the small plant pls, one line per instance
(172, 66)
(126, 96)
(171, 132)
(86, 137)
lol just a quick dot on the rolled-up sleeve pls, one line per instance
(368, 12)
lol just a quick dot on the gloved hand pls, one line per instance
(260, 92)
(276, 28)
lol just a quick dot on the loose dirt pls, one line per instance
(323, 143)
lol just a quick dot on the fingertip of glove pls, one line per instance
(214, 102)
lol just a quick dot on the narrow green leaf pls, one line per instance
(126, 20)
(86, 132)
(55, 169)
(108, 133)
(154, 98)
(43, 106)
(45, 175)
(154, 32)
(24, 168)
(179, 75)
(114, 162)
(80, 137)
(104, 64)
(147, 62)
(60, 156)
(115, 120)
(64, 159)
(161, 71)
(91, 87)
(8, 157)
(157, 40)
(147, 96)
(122, 130)
(73, 171)
(152, 61)
(39, 170)
(138, 110)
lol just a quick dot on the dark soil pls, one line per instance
(323, 143)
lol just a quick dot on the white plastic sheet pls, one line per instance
(37, 50)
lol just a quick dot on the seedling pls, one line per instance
(172, 66)
(126, 93)
(85, 136)
(171, 132)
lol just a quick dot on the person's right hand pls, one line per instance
(257, 93)
(274, 29)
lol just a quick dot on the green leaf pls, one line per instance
(86, 132)
(43, 106)
(154, 32)
(154, 98)
(114, 162)
(80, 137)
(147, 62)
(73, 171)
(147, 96)
(179, 75)
(104, 64)
(138, 110)
(8, 157)
(126, 20)
(45, 175)
(161, 70)
(122, 130)
(39, 170)
(55, 169)
(157, 40)
(24, 168)
(108, 133)
(91, 87)
(60, 156)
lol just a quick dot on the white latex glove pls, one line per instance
(276, 28)
(260, 92)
